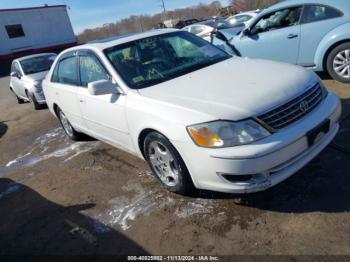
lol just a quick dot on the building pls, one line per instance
(26, 31)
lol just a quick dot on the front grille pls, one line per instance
(294, 110)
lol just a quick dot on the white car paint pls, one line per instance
(235, 89)
(30, 84)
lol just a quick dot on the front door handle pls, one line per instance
(81, 101)
(290, 36)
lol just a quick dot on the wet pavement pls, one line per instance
(61, 197)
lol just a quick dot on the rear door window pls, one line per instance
(314, 13)
(66, 72)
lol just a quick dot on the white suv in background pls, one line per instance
(200, 117)
(27, 74)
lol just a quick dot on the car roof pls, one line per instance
(342, 5)
(117, 40)
(32, 56)
(251, 13)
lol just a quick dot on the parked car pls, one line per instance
(200, 117)
(244, 18)
(26, 77)
(205, 28)
(311, 33)
(183, 23)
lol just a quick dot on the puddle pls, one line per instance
(124, 210)
(198, 206)
(53, 144)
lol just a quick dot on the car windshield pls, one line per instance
(159, 58)
(37, 64)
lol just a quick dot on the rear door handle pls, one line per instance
(81, 101)
(290, 36)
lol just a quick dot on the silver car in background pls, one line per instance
(27, 74)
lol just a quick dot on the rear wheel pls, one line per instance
(33, 100)
(338, 63)
(67, 127)
(167, 164)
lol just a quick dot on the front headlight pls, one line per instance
(227, 134)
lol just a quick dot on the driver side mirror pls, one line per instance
(15, 74)
(246, 32)
(103, 87)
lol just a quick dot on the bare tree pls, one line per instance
(246, 5)
(146, 22)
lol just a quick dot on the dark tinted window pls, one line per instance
(37, 64)
(313, 13)
(91, 70)
(277, 20)
(14, 31)
(66, 72)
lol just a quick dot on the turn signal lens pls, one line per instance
(204, 137)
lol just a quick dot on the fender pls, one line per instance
(337, 35)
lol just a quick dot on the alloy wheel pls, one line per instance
(66, 125)
(341, 63)
(164, 163)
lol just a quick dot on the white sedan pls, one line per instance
(200, 117)
(27, 74)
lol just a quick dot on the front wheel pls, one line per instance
(67, 127)
(167, 164)
(19, 100)
(338, 63)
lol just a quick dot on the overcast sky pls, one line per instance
(91, 13)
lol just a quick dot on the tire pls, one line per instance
(33, 101)
(338, 63)
(167, 164)
(67, 127)
(19, 100)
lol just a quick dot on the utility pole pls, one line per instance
(163, 6)
(164, 10)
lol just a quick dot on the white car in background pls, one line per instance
(222, 30)
(243, 18)
(200, 117)
(27, 74)
(204, 29)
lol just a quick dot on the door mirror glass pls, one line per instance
(102, 87)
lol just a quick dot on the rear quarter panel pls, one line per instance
(337, 35)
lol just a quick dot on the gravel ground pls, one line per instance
(60, 197)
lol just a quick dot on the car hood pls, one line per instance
(36, 77)
(234, 89)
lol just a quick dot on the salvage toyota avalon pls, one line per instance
(200, 117)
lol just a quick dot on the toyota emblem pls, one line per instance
(304, 106)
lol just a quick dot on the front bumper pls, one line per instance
(268, 162)
(39, 96)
